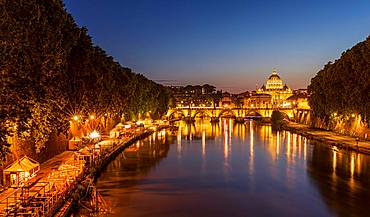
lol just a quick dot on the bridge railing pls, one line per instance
(235, 108)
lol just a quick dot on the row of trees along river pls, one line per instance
(51, 70)
(340, 92)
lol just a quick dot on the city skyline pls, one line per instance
(232, 45)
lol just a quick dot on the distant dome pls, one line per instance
(275, 88)
(274, 76)
(274, 81)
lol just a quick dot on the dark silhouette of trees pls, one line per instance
(278, 120)
(343, 87)
(50, 70)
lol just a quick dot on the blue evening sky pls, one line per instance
(232, 44)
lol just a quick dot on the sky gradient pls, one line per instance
(231, 44)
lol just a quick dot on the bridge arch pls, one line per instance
(253, 114)
(171, 114)
(202, 112)
(285, 115)
(228, 112)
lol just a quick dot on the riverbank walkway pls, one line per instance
(45, 169)
(331, 138)
(12, 197)
(50, 178)
(57, 178)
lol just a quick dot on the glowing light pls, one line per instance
(203, 143)
(92, 117)
(286, 104)
(352, 166)
(353, 115)
(277, 143)
(358, 164)
(299, 141)
(179, 146)
(251, 148)
(76, 118)
(94, 135)
(334, 159)
(226, 141)
(288, 145)
(251, 131)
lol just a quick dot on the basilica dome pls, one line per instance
(274, 82)
(274, 76)
(276, 88)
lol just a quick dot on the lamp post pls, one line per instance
(94, 135)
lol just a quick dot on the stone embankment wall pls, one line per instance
(330, 138)
(349, 126)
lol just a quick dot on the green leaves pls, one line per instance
(278, 120)
(50, 70)
(343, 87)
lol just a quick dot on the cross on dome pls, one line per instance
(274, 71)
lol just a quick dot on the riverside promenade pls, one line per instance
(330, 138)
(46, 168)
(46, 193)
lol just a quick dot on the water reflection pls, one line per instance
(204, 144)
(251, 148)
(228, 169)
(342, 179)
(179, 135)
(126, 171)
(277, 144)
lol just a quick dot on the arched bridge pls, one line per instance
(190, 113)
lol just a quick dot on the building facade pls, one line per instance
(195, 95)
(258, 101)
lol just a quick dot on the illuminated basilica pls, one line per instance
(275, 87)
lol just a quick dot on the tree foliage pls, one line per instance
(343, 87)
(278, 120)
(50, 70)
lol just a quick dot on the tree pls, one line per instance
(278, 120)
(51, 70)
(343, 87)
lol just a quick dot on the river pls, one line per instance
(229, 169)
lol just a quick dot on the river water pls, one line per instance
(229, 169)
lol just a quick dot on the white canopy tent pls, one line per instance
(21, 171)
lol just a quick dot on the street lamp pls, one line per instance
(94, 135)
(76, 118)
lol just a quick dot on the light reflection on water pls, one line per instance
(229, 169)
